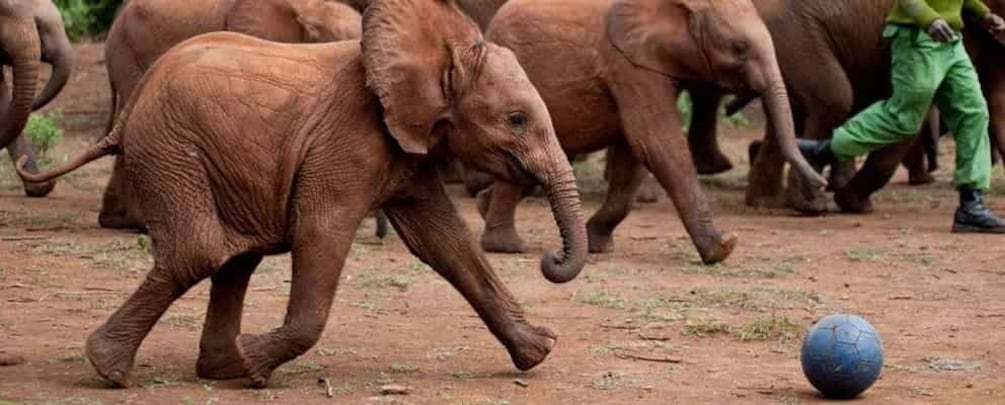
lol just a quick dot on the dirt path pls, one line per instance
(645, 324)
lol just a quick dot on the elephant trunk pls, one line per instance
(563, 195)
(776, 102)
(25, 62)
(62, 63)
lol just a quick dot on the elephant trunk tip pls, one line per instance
(559, 269)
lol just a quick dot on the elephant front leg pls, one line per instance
(702, 132)
(434, 232)
(319, 251)
(218, 356)
(764, 182)
(655, 138)
(500, 234)
(624, 176)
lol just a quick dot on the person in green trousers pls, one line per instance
(929, 64)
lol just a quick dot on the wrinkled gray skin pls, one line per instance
(31, 32)
(836, 63)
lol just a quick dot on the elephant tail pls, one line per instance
(104, 147)
(107, 145)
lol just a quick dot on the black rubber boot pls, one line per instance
(817, 153)
(974, 217)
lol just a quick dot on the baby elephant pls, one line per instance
(239, 148)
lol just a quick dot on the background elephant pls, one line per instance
(835, 63)
(609, 73)
(481, 11)
(146, 29)
(31, 32)
(335, 131)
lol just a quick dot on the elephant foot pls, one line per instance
(718, 163)
(38, 190)
(851, 203)
(920, 179)
(718, 250)
(215, 365)
(257, 367)
(816, 205)
(111, 360)
(600, 238)
(763, 201)
(812, 207)
(503, 239)
(531, 346)
(120, 221)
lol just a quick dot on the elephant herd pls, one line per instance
(284, 133)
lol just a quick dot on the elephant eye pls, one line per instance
(739, 48)
(517, 121)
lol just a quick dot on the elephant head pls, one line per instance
(439, 82)
(720, 41)
(295, 21)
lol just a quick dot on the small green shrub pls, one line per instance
(43, 131)
(87, 18)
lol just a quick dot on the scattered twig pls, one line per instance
(327, 385)
(23, 238)
(625, 327)
(658, 338)
(642, 357)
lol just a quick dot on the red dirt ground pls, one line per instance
(644, 324)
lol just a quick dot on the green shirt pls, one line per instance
(922, 13)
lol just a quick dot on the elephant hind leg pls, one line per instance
(218, 357)
(625, 175)
(112, 347)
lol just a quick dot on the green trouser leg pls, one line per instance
(924, 71)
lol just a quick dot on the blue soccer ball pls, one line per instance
(842, 355)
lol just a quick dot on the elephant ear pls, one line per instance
(274, 20)
(330, 21)
(412, 54)
(655, 34)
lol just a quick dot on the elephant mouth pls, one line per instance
(518, 173)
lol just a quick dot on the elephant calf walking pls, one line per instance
(240, 148)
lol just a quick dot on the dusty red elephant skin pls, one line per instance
(233, 160)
